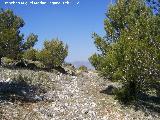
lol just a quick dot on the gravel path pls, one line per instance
(74, 98)
(79, 98)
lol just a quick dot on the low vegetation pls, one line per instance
(83, 68)
(53, 54)
(30, 54)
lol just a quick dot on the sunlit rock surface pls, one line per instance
(67, 97)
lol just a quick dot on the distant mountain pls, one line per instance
(80, 63)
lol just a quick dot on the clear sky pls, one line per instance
(73, 23)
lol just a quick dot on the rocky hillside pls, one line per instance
(40, 95)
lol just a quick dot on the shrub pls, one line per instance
(82, 68)
(7, 61)
(53, 54)
(129, 53)
(69, 68)
(30, 54)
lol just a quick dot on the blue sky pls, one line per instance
(73, 23)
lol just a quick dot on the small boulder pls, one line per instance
(110, 90)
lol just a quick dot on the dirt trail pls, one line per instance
(79, 98)
(73, 98)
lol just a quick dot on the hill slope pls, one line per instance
(67, 98)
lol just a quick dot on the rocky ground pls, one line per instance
(66, 98)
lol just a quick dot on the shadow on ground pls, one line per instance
(148, 103)
(145, 102)
(19, 91)
(35, 68)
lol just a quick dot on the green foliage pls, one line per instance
(83, 68)
(30, 54)
(30, 42)
(53, 54)
(11, 40)
(126, 94)
(130, 50)
(7, 61)
(10, 37)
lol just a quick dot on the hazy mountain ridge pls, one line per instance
(80, 63)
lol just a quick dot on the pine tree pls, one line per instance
(130, 51)
(12, 43)
(53, 54)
